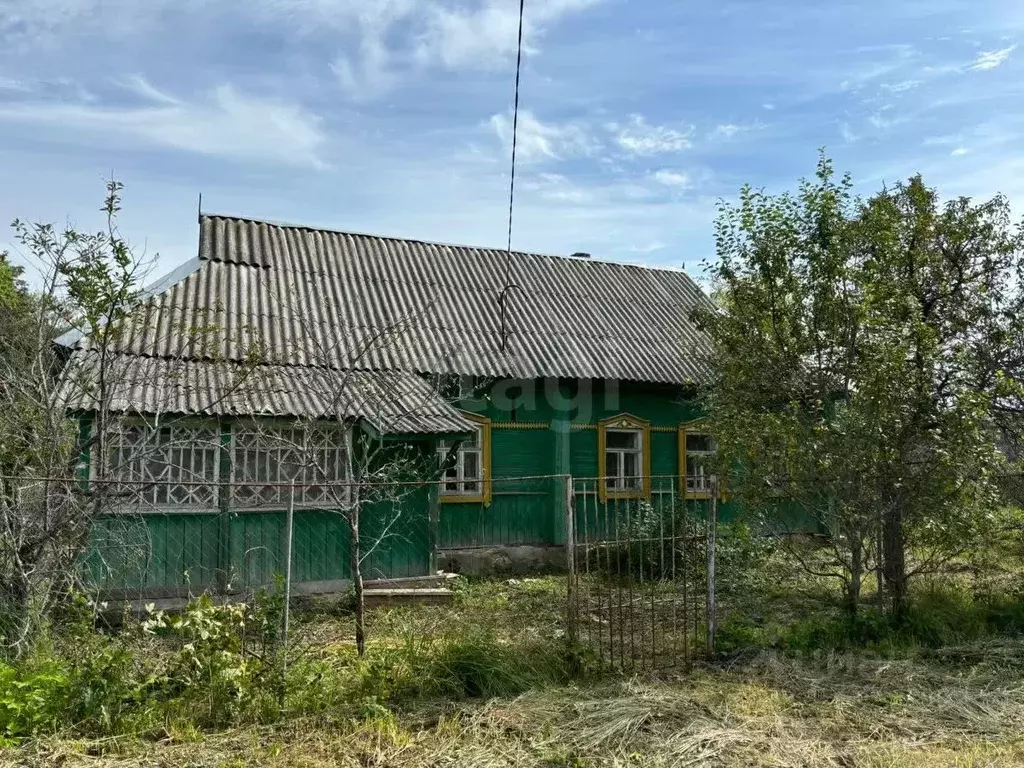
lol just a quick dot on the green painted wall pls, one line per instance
(182, 551)
(529, 512)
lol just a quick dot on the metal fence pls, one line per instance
(641, 565)
(639, 576)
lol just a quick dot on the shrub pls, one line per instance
(230, 660)
(671, 543)
(31, 702)
(938, 615)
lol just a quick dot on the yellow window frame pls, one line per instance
(484, 497)
(695, 428)
(623, 421)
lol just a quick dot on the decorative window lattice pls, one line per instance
(264, 457)
(173, 466)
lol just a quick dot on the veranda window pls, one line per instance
(266, 458)
(179, 466)
(165, 466)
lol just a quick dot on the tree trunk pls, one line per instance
(16, 624)
(357, 579)
(853, 586)
(894, 565)
(879, 560)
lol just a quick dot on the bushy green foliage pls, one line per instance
(866, 366)
(91, 683)
(457, 667)
(229, 661)
(30, 700)
(672, 544)
(937, 616)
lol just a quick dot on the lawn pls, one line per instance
(932, 704)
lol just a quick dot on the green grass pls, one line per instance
(486, 681)
(771, 710)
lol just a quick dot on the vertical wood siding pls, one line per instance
(199, 551)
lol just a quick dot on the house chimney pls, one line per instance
(581, 255)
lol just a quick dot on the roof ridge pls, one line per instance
(534, 254)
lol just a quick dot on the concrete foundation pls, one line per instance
(512, 560)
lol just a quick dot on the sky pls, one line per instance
(637, 117)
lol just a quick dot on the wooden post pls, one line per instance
(561, 456)
(433, 523)
(289, 527)
(712, 608)
(570, 563)
(221, 577)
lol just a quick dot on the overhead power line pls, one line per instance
(503, 298)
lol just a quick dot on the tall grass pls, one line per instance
(940, 614)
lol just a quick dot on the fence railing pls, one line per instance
(641, 571)
(639, 551)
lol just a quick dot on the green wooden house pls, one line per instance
(549, 366)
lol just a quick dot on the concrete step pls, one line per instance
(438, 580)
(419, 596)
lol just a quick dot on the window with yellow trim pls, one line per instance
(467, 465)
(696, 457)
(624, 457)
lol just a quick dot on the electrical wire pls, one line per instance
(515, 125)
(503, 298)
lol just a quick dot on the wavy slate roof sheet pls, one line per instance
(309, 297)
(392, 402)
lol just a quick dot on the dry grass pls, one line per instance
(771, 710)
(950, 706)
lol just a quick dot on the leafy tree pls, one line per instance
(88, 283)
(867, 360)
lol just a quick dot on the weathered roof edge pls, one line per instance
(443, 244)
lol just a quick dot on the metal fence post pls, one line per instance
(712, 609)
(289, 528)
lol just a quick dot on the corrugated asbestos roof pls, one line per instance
(392, 402)
(305, 300)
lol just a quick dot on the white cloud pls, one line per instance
(378, 42)
(638, 137)
(143, 88)
(941, 140)
(8, 84)
(881, 122)
(557, 188)
(901, 86)
(959, 151)
(992, 59)
(226, 124)
(46, 22)
(726, 131)
(369, 74)
(847, 133)
(542, 141)
(656, 245)
(671, 178)
(486, 36)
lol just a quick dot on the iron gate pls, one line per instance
(641, 572)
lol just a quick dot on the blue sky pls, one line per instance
(394, 116)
